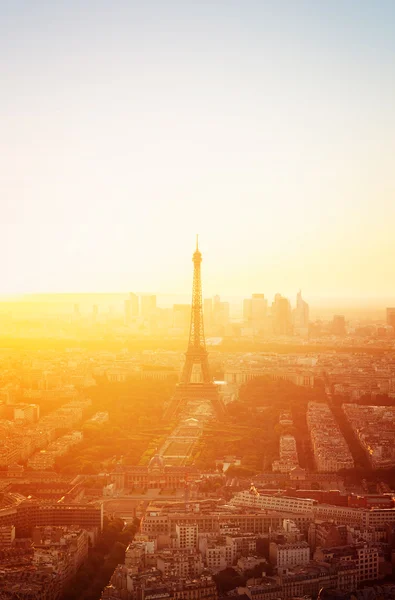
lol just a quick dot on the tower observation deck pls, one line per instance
(196, 354)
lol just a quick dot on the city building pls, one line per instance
(184, 564)
(148, 306)
(253, 499)
(155, 475)
(374, 427)
(281, 316)
(366, 557)
(187, 536)
(301, 316)
(284, 556)
(7, 535)
(331, 452)
(255, 313)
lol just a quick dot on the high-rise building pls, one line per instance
(258, 311)
(255, 312)
(187, 536)
(148, 306)
(221, 313)
(301, 316)
(281, 316)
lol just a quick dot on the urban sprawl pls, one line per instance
(126, 473)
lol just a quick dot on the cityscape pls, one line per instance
(240, 471)
(197, 300)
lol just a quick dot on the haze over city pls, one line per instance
(268, 127)
(197, 300)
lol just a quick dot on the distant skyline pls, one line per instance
(51, 304)
(266, 127)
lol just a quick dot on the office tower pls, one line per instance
(258, 311)
(281, 316)
(301, 316)
(134, 304)
(255, 312)
(391, 317)
(196, 355)
(148, 306)
(181, 318)
(221, 313)
(339, 325)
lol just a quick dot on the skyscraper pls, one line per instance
(301, 316)
(258, 311)
(148, 306)
(281, 316)
(221, 314)
(255, 312)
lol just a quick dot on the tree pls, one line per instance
(228, 579)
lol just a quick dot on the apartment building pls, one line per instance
(289, 555)
(187, 536)
(27, 514)
(183, 564)
(331, 452)
(7, 535)
(253, 499)
(161, 523)
(365, 556)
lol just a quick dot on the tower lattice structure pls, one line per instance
(196, 354)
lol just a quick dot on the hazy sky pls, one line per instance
(268, 127)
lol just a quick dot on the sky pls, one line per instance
(267, 127)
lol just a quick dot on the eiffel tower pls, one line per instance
(196, 354)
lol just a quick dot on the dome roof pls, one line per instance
(156, 461)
